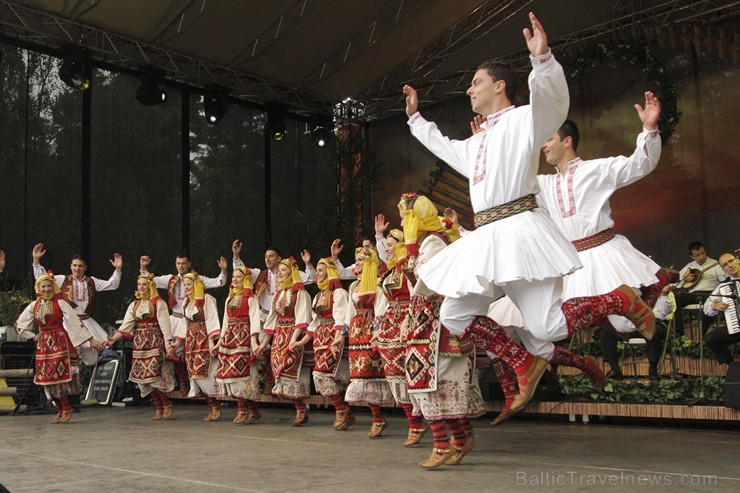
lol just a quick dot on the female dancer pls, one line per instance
(367, 381)
(56, 358)
(439, 365)
(239, 338)
(201, 314)
(147, 322)
(331, 371)
(392, 310)
(289, 315)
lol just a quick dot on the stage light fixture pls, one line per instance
(150, 92)
(215, 107)
(320, 136)
(276, 115)
(72, 71)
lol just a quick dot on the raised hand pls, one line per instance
(536, 39)
(336, 248)
(476, 124)
(117, 262)
(412, 100)
(38, 252)
(306, 257)
(451, 214)
(651, 113)
(2, 260)
(222, 264)
(380, 225)
(144, 262)
(236, 248)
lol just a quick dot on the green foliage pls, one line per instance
(12, 304)
(636, 54)
(661, 391)
(682, 346)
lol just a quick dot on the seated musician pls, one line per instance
(608, 338)
(697, 279)
(721, 339)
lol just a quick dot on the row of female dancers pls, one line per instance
(380, 342)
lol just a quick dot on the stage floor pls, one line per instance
(123, 450)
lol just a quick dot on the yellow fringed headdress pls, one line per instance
(400, 252)
(246, 288)
(419, 216)
(199, 289)
(369, 275)
(332, 275)
(293, 282)
(49, 276)
(153, 293)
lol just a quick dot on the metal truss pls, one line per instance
(48, 31)
(630, 20)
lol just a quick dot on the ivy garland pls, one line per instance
(640, 55)
(662, 391)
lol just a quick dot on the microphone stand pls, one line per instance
(702, 399)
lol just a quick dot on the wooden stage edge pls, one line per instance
(574, 409)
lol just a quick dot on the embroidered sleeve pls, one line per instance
(626, 170)
(129, 323)
(254, 316)
(111, 284)
(453, 152)
(340, 309)
(24, 324)
(302, 309)
(210, 311)
(381, 305)
(163, 318)
(548, 96)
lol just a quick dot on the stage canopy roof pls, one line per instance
(311, 54)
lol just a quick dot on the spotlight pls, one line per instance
(72, 71)
(320, 136)
(214, 104)
(150, 92)
(276, 115)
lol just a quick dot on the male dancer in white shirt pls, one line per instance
(79, 290)
(517, 250)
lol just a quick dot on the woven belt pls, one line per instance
(177, 315)
(84, 316)
(594, 240)
(517, 206)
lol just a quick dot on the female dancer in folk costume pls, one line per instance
(289, 316)
(201, 314)
(331, 371)
(440, 366)
(56, 358)
(367, 380)
(392, 309)
(239, 340)
(147, 322)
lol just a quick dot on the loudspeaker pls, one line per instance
(732, 385)
(16, 355)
